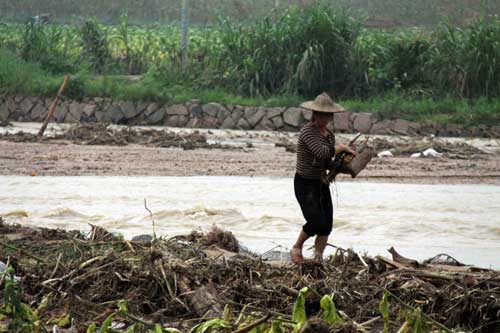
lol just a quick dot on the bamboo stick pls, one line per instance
(53, 106)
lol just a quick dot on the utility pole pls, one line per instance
(184, 32)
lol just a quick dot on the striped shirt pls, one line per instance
(314, 151)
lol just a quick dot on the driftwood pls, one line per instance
(402, 260)
(186, 281)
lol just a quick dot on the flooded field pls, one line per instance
(419, 220)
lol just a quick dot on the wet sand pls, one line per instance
(63, 158)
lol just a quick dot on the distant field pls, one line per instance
(380, 13)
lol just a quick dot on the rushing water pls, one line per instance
(419, 220)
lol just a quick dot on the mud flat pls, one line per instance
(115, 150)
(69, 281)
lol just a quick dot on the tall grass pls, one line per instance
(467, 61)
(295, 51)
(303, 52)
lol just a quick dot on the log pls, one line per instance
(53, 106)
(402, 260)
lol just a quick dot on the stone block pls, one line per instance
(212, 109)
(454, 130)
(363, 122)
(243, 124)
(254, 115)
(293, 117)
(114, 114)
(70, 118)
(237, 113)
(177, 110)
(223, 114)
(209, 122)
(89, 110)
(12, 106)
(265, 125)
(228, 123)
(61, 111)
(151, 108)
(382, 127)
(128, 109)
(4, 111)
(100, 116)
(155, 117)
(494, 130)
(401, 126)
(39, 112)
(25, 106)
(76, 110)
(341, 121)
(141, 107)
(274, 112)
(277, 122)
(176, 120)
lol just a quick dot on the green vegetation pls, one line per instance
(445, 74)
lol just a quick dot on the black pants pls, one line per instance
(315, 202)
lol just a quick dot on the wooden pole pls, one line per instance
(184, 32)
(53, 106)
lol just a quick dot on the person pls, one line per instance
(315, 149)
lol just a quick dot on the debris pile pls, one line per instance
(207, 283)
(104, 134)
(426, 147)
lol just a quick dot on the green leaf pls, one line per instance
(330, 313)
(209, 325)
(158, 328)
(299, 308)
(43, 304)
(383, 307)
(418, 322)
(92, 328)
(64, 321)
(106, 324)
(226, 314)
(135, 328)
(276, 327)
(122, 306)
(171, 330)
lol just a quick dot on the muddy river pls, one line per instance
(419, 220)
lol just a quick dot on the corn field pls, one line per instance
(295, 51)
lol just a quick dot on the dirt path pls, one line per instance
(62, 158)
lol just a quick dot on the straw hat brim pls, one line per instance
(313, 106)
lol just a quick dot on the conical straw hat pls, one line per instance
(323, 103)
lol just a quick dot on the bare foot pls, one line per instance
(297, 257)
(318, 259)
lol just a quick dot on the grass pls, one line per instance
(422, 109)
(18, 77)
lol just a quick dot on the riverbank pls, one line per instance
(159, 151)
(75, 281)
(391, 115)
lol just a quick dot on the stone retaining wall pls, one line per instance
(215, 115)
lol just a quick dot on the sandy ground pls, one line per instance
(63, 158)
